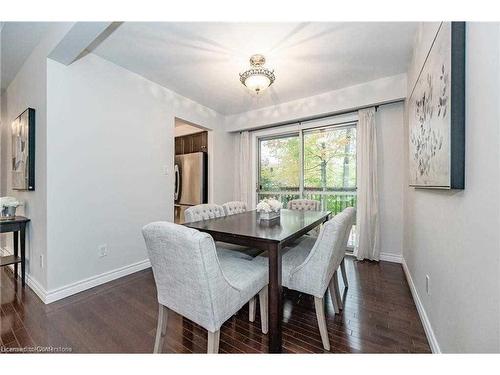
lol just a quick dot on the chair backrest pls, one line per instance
(234, 207)
(350, 213)
(315, 273)
(187, 273)
(304, 204)
(203, 212)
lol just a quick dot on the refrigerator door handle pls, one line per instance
(177, 182)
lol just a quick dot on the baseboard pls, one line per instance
(429, 332)
(91, 282)
(35, 286)
(79, 286)
(390, 257)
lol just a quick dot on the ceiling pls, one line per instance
(18, 39)
(202, 60)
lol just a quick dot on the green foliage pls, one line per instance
(329, 161)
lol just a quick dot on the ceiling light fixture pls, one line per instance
(257, 78)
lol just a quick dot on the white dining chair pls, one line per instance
(210, 211)
(197, 282)
(310, 267)
(203, 212)
(304, 204)
(351, 219)
(234, 207)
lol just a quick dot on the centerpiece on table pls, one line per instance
(8, 206)
(269, 209)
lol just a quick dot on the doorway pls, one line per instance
(190, 167)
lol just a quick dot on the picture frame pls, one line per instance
(436, 114)
(23, 151)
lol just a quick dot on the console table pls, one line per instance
(17, 225)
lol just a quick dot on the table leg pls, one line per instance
(16, 250)
(23, 253)
(275, 313)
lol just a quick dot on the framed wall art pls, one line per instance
(436, 114)
(23, 151)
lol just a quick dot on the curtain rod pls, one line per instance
(319, 117)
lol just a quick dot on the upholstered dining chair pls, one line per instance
(196, 282)
(310, 267)
(351, 219)
(304, 204)
(211, 211)
(203, 212)
(234, 207)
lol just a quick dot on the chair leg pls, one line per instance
(335, 279)
(333, 295)
(263, 309)
(161, 328)
(251, 309)
(344, 274)
(320, 315)
(213, 342)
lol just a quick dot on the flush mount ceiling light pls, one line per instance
(257, 78)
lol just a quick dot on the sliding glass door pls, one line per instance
(315, 164)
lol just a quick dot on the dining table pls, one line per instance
(248, 229)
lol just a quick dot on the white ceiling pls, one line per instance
(18, 39)
(202, 60)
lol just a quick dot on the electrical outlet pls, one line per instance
(428, 285)
(102, 250)
(41, 261)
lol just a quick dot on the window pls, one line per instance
(317, 164)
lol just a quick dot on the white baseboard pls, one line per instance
(80, 286)
(429, 332)
(35, 286)
(390, 257)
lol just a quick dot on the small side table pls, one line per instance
(17, 225)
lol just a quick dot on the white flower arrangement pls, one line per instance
(269, 205)
(10, 202)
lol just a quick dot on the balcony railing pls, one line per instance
(334, 201)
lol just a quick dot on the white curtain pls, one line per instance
(243, 170)
(367, 214)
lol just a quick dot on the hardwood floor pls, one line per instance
(379, 316)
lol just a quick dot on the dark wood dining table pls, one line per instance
(246, 229)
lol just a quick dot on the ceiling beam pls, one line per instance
(81, 39)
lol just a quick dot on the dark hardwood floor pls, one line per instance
(120, 317)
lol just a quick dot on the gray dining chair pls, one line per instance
(351, 219)
(304, 204)
(197, 282)
(210, 211)
(203, 212)
(310, 267)
(234, 207)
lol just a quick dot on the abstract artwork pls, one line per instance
(23, 151)
(436, 113)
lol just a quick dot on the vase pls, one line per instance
(269, 215)
(8, 212)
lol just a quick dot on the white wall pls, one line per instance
(28, 89)
(380, 91)
(110, 134)
(454, 236)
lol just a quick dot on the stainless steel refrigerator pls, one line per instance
(191, 179)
